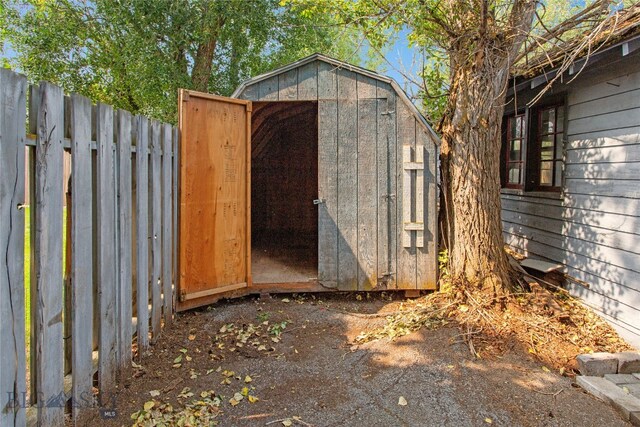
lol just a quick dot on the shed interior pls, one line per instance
(284, 184)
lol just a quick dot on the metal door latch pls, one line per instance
(318, 201)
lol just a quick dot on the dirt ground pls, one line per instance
(289, 360)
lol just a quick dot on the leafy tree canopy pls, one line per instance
(135, 54)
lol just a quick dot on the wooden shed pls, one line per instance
(339, 192)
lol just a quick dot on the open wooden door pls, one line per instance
(215, 197)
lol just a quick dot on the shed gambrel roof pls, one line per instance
(341, 64)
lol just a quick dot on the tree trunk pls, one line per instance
(470, 156)
(470, 168)
(204, 57)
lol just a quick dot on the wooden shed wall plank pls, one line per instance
(288, 85)
(386, 184)
(347, 181)
(406, 125)
(327, 81)
(426, 256)
(269, 89)
(367, 199)
(48, 252)
(327, 89)
(13, 89)
(308, 82)
(328, 192)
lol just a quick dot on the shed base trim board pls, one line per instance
(219, 290)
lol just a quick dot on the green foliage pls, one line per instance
(436, 28)
(135, 54)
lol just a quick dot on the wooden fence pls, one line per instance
(115, 292)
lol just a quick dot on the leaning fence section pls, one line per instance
(100, 283)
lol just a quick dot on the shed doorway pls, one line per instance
(284, 185)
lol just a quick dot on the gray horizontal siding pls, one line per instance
(593, 230)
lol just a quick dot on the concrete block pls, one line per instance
(624, 403)
(633, 389)
(628, 362)
(619, 379)
(597, 364)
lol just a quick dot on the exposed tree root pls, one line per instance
(548, 323)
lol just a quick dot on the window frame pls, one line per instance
(507, 139)
(531, 153)
(534, 149)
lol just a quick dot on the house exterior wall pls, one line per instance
(592, 227)
(363, 125)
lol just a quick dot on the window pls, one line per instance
(532, 148)
(514, 155)
(549, 147)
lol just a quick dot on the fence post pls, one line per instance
(48, 256)
(12, 334)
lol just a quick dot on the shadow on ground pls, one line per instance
(316, 374)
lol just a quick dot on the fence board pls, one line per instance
(176, 171)
(34, 96)
(106, 246)
(124, 241)
(156, 230)
(12, 334)
(48, 255)
(142, 233)
(167, 137)
(81, 254)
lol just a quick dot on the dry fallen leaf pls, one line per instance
(154, 393)
(488, 420)
(247, 379)
(402, 401)
(287, 423)
(192, 337)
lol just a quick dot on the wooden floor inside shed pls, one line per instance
(284, 260)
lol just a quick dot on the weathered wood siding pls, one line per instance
(593, 227)
(363, 124)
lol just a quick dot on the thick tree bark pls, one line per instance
(471, 144)
(471, 181)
